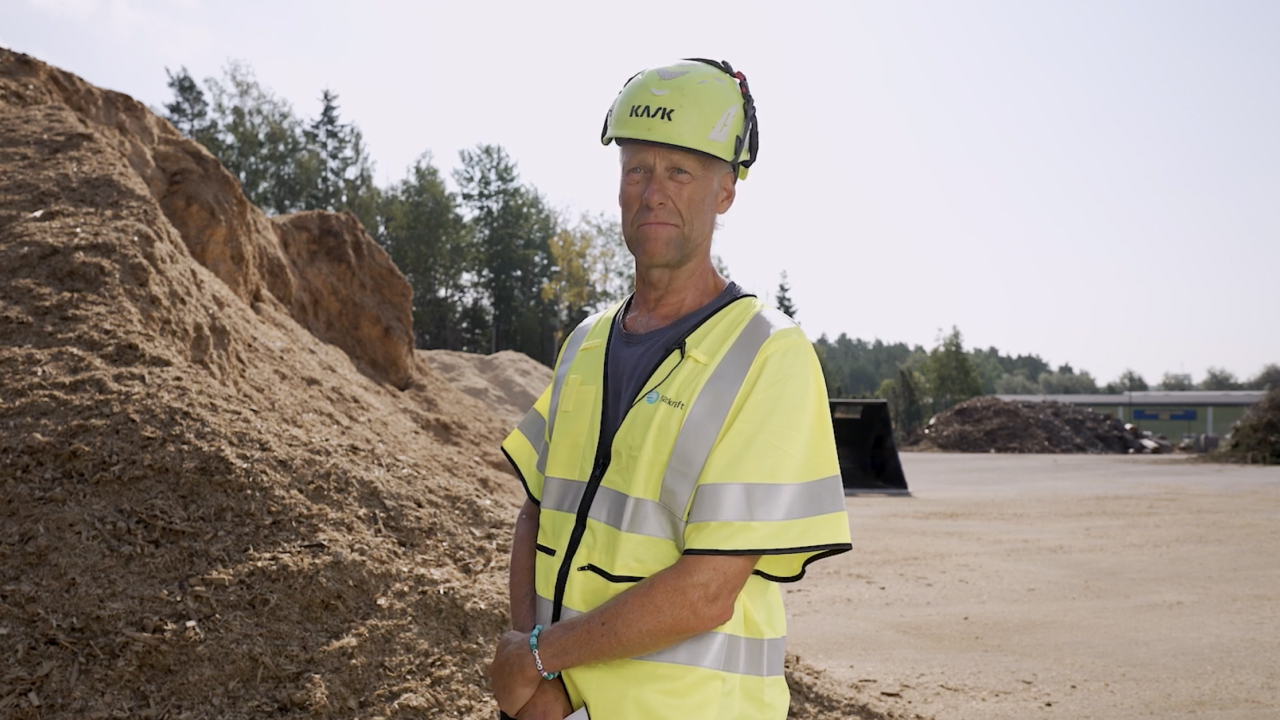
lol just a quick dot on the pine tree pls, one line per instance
(783, 298)
(189, 111)
(340, 173)
(259, 140)
(512, 225)
(421, 228)
(951, 374)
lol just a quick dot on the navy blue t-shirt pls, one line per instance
(634, 356)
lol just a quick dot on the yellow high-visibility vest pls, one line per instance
(727, 450)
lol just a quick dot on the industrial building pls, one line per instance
(1169, 413)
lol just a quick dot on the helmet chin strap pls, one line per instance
(750, 138)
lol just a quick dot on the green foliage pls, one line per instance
(1129, 381)
(906, 400)
(951, 375)
(856, 368)
(513, 226)
(1220, 379)
(591, 269)
(283, 164)
(1256, 438)
(1177, 381)
(336, 166)
(615, 268)
(189, 111)
(992, 367)
(259, 139)
(782, 299)
(1067, 382)
(1010, 384)
(423, 231)
(721, 267)
(1266, 379)
(491, 267)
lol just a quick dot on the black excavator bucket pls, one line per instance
(864, 442)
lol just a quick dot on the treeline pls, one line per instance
(495, 267)
(492, 264)
(919, 382)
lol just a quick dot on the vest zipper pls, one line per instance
(604, 454)
(592, 567)
(598, 467)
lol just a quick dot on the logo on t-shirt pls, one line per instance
(654, 396)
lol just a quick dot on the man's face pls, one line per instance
(669, 200)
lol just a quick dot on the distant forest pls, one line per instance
(492, 264)
(495, 267)
(918, 382)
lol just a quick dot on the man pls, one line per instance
(681, 464)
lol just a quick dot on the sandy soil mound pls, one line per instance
(508, 382)
(988, 424)
(1256, 438)
(815, 696)
(316, 266)
(205, 510)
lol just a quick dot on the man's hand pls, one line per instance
(513, 677)
(549, 702)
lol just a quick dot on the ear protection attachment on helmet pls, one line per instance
(751, 141)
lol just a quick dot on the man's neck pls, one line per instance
(664, 295)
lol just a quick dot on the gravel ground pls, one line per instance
(1037, 586)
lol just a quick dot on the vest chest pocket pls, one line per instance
(573, 426)
(570, 393)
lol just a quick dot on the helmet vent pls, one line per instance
(668, 74)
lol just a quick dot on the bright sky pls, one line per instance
(1095, 182)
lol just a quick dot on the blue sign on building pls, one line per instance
(1179, 414)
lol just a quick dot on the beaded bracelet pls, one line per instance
(533, 646)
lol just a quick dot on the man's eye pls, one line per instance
(681, 171)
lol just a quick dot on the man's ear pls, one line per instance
(728, 190)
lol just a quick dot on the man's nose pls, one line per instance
(655, 194)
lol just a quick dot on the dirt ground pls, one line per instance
(1035, 586)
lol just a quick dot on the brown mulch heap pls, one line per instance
(206, 509)
(508, 381)
(228, 487)
(988, 424)
(1256, 438)
(815, 697)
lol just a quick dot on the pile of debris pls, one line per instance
(228, 486)
(989, 424)
(229, 489)
(508, 382)
(1256, 438)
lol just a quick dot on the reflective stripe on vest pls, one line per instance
(707, 417)
(722, 502)
(762, 502)
(763, 657)
(534, 429)
(613, 508)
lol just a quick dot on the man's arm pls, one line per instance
(550, 701)
(695, 595)
(524, 559)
